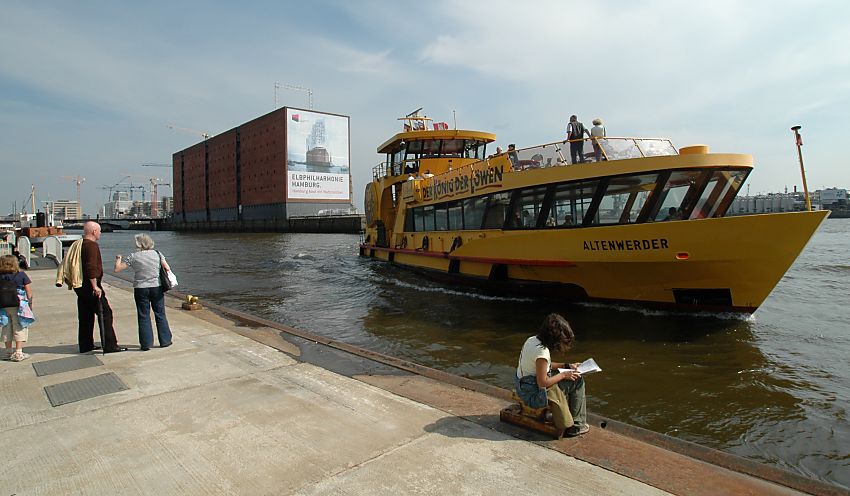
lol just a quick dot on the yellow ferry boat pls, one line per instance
(646, 224)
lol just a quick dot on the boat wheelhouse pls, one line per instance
(646, 224)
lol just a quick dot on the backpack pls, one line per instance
(9, 293)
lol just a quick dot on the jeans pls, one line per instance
(147, 298)
(577, 151)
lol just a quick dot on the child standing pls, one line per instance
(15, 319)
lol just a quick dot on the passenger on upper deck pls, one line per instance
(513, 156)
(428, 173)
(596, 132)
(576, 131)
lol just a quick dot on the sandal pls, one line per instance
(18, 356)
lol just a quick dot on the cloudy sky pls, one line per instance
(88, 88)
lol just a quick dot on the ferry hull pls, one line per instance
(718, 264)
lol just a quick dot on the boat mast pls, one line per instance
(799, 139)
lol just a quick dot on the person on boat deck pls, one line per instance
(672, 214)
(576, 131)
(596, 132)
(512, 155)
(538, 381)
(428, 173)
(568, 220)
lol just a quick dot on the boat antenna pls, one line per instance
(454, 117)
(799, 139)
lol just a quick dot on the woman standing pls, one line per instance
(538, 380)
(15, 319)
(147, 291)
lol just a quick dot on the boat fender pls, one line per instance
(425, 243)
(457, 243)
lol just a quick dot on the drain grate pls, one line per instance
(83, 389)
(49, 367)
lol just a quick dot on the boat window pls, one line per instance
(674, 193)
(570, 202)
(409, 220)
(473, 212)
(656, 147)
(455, 216)
(624, 198)
(620, 149)
(414, 146)
(497, 207)
(527, 208)
(441, 217)
(719, 187)
(452, 148)
(431, 148)
(474, 149)
(428, 218)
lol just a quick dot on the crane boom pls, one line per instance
(203, 134)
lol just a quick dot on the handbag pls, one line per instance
(167, 279)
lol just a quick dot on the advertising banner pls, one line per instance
(317, 157)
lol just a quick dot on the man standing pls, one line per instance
(91, 295)
(576, 131)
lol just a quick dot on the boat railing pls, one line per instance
(385, 169)
(558, 153)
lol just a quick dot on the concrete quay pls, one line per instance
(239, 405)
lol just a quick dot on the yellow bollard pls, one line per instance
(191, 303)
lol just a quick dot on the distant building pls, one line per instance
(259, 175)
(833, 197)
(119, 207)
(66, 209)
(769, 203)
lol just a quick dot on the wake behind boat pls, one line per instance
(644, 225)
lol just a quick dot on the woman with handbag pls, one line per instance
(147, 290)
(539, 382)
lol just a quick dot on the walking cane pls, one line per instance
(100, 325)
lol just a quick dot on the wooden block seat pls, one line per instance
(533, 418)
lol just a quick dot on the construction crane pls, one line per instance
(294, 87)
(79, 180)
(203, 134)
(154, 204)
(156, 165)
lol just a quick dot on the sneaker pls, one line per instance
(576, 430)
(18, 356)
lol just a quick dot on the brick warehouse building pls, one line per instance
(257, 176)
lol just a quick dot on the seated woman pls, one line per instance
(539, 382)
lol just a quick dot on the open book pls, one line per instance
(588, 366)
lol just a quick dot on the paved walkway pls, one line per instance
(238, 408)
(219, 413)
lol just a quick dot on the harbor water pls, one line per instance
(773, 387)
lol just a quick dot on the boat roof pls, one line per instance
(393, 144)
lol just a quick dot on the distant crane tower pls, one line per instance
(154, 205)
(79, 180)
(203, 134)
(294, 87)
